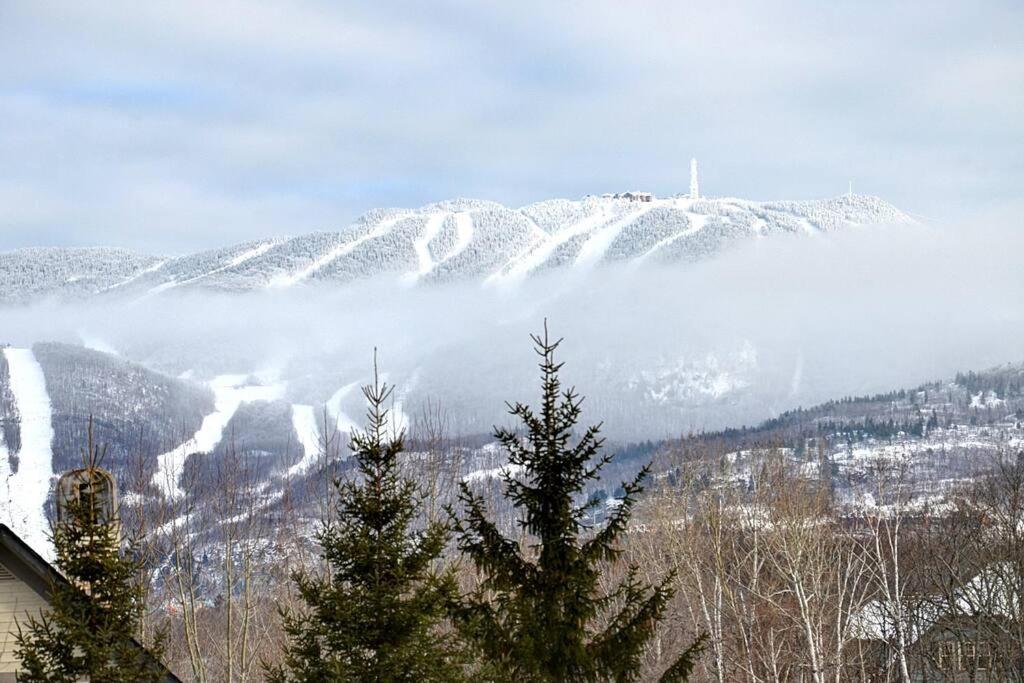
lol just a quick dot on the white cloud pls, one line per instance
(225, 121)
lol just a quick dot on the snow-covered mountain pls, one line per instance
(182, 399)
(462, 239)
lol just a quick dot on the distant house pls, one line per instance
(25, 581)
(968, 635)
(634, 196)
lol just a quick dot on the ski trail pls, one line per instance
(145, 271)
(344, 422)
(31, 483)
(422, 246)
(304, 424)
(229, 392)
(289, 279)
(697, 223)
(593, 249)
(258, 250)
(521, 266)
(237, 260)
(463, 233)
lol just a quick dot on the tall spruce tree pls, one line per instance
(536, 613)
(375, 616)
(88, 633)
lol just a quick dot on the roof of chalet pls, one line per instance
(992, 592)
(28, 566)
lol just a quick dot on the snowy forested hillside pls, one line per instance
(35, 273)
(453, 240)
(169, 440)
(936, 436)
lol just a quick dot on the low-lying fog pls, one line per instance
(659, 350)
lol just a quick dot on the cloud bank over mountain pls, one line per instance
(760, 328)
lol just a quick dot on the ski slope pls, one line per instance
(229, 392)
(304, 424)
(28, 488)
(697, 223)
(422, 246)
(233, 262)
(594, 248)
(463, 233)
(522, 266)
(344, 423)
(288, 279)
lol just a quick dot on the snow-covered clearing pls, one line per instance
(425, 262)
(379, 230)
(521, 266)
(145, 271)
(593, 249)
(233, 262)
(344, 422)
(463, 233)
(305, 426)
(29, 487)
(248, 255)
(697, 223)
(230, 391)
(986, 399)
(494, 473)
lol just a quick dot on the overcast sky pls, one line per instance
(170, 127)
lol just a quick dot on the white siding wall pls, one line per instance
(16, 598)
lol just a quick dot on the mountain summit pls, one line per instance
(460, 239)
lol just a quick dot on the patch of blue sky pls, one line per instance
(145, 97)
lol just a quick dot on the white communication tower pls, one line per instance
(694, 193)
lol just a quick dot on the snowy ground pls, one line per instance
(593, 250)
(230, 392)
(28, 488)
(522, 266)
(305, 424)
(379, 230)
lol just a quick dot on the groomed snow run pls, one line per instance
(344, 423)
(521, 266)
(379, 230)
(304, 424)
(233, 262)
(463, 233)
(697, 223)
(29, 487)
(593, 249)
(424, 259)
(229, 392)
(145, 271)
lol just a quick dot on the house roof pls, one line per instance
(992, 592)
(29, 566)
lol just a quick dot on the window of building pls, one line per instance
(967, 656)
(984, 656)
(947, 656)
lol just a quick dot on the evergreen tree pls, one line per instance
(375, 616)
(535, 615)
(88, 633)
